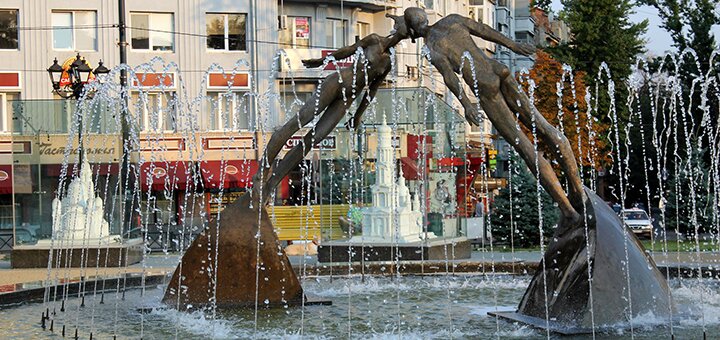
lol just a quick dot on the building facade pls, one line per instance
(209, 81)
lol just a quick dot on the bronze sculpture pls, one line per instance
(243, 243)
(590, 243)
(331, 100)
(583, 258)
(449, 41)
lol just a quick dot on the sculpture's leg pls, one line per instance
(503, 120)
(557, 142)
(327, 123)
(316, 104)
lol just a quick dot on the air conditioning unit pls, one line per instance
(282, 22)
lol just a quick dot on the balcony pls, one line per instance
(372, 6)
(525, 24)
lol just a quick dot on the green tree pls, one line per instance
(690, 198)
(525, 229)
(689, 24)
(603, 33)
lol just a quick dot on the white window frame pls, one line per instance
(17, 19)
(220, 96)
(150, 28)
(73, 30)
(159, 95)
(6, 122)
(335, 22)
(227, 35)
(291, 26)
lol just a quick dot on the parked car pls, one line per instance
(638, 221)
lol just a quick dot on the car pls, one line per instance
(638, 221)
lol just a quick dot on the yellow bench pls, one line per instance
(306, 223)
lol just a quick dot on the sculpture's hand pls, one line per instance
(524, 49)
(312, 63)
(472, 116)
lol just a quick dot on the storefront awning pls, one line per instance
(6, 181)
(228, 174)
(410, 168)
(103, 169)
(171, 175)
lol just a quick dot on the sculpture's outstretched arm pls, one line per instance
(342, 52)
(453, 83)
(354, 121)
(488, 33)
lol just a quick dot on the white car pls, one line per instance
(638, 221)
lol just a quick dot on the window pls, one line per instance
(227, 111)
(155, 111)
(335, 33)
(297, 34)
(8, 29)
(152, 31)
(476, 13)
(429, 4)
(74, 30)
(362, 30)
(6, 109)
(477, 2)
(226, 32)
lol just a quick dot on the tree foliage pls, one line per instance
(525, 230)
(541, 4)
(689, 24)
(568, 112)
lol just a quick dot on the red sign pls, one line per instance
(9, 79)
(344, 63)
(223, 80)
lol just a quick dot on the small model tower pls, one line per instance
(393, 215)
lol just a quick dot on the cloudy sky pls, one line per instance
(658, 40)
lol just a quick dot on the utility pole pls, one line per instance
(125, 179)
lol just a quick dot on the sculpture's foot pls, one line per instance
(625, 281)
(229, 256)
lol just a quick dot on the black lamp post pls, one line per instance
(78, 74)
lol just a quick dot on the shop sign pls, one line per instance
(48, 149)
(340, 63)
(326, 144)
(4, 175)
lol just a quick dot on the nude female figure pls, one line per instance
(499, 95)
(331, 100)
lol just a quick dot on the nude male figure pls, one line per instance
(448, 41)
(331, 100)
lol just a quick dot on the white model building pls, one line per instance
(393, 216)
(78, 217)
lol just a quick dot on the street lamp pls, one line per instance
(69, 82)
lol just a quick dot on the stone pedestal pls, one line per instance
(435, 249)
(78, 255)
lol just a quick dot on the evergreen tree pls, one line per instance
(525, 219)
(602, 33)
(691, 188)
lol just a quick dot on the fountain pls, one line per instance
(396, 279)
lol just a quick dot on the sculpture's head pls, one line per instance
(399, 27)
(416, 21)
